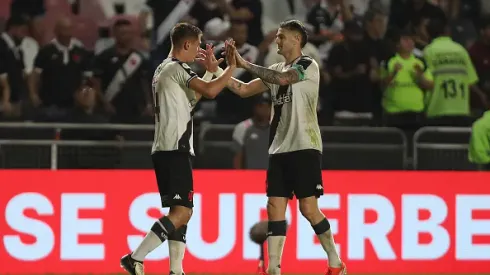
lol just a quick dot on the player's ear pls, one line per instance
(187, 45)
(298, 38)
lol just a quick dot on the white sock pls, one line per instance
(149, 243)
(176, 251)
(328, 244)
(275, 246)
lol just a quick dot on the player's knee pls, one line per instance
(180, 215)
(309, 210)
(276, 208)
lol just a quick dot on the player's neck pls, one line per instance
(177, 55)
(293, 55)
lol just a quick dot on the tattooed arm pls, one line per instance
(288, 77)
(243, 89)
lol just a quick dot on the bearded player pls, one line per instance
(295, 143)
(176, 90)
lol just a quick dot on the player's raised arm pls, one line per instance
(210, 89)
(291, 76)
(294, 75)
(238, 87)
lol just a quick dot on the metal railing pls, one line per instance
(336, 139)
(56, 144)
(76, 126)
(333, 141)
(457, 140)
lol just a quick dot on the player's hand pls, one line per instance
(418, 70)
(230, 53)
(398, 67)
(207, 59)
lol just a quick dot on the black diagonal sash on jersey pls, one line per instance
(282, 91)
(185, 140)
(130, 66)
(305, 62)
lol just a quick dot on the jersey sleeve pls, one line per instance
(183, 74)
(472, 75)
(306, 68)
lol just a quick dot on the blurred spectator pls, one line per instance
(104, 41)
(327, 18)
(348, 63)
(454, 78)
(251, 137)
(13, 83)
(239, 33)
(165, 15)
(465, 10)
(375, 29)
(249, 11)
(205, 10)
(403, 99)
(216, 29)
(379, 50)
(421, 37)
(230, 107)
(60, 67)
(406, 12)
(463, 17)
(85, 111)
(88, 157)
(122, 77)
(33, 11)
(480, 56)
(479, 149)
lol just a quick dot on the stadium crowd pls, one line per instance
(92, 61)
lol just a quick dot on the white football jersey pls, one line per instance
(174, 104)
(294, 124)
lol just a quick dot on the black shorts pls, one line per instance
(173, 171)
(297, 173)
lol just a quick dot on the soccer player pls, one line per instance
(176, 90)
(295, 143)
(453, 75)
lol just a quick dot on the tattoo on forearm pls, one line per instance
(235, 85)
(272, 76)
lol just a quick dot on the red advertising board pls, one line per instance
(79, 222)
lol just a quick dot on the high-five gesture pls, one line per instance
(230, 53)
(207, 59)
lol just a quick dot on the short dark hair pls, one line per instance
(296, 25)
(436, 28)
(183, 31)
(16, 21)
(397, 35)
(121, 23)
